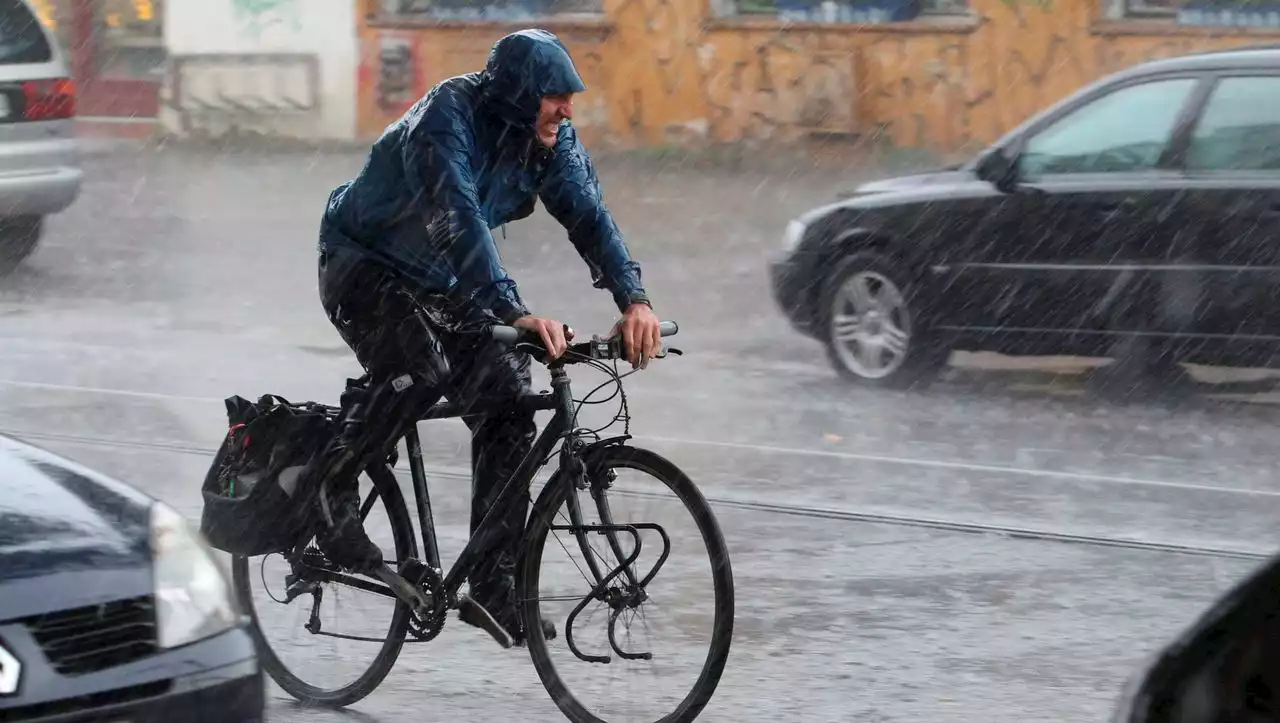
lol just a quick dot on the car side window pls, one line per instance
(1239, 129)
(21, 38)
(1124, 131)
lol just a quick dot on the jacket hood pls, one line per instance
(522, 68)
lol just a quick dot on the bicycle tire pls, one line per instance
(552, 496)
(310, 695)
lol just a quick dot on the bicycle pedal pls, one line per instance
(475, 614)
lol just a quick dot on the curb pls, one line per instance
(94, 147)
(714, 158)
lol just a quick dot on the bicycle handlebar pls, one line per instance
(610, 348)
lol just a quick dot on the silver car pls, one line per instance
(39, 155)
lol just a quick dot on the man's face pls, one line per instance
(554, 109)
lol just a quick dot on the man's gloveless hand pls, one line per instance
(551, 331)
(641, 335)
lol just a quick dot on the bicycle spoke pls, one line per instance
(581, 572)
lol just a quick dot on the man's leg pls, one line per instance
(377, 318)
(489, 374)
(498, 444)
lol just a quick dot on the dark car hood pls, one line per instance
(57, 516)
(913, 182)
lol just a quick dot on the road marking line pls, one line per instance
(770, 449)
(100, 390)
(968, 466)
(886, 518)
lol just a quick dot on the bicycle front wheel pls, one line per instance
(632, 579)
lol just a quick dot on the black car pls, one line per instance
(1138, 218)
(111, 608)
(1223, 668)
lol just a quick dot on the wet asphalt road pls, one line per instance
(181, 278)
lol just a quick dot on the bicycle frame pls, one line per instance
(560, 400)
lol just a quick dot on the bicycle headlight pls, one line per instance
(193, 597)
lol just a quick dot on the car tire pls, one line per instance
(884, 299)
(18, 239)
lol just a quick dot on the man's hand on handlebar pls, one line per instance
(641, 335)
(555, 335)
(531, 336)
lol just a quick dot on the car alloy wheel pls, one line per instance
(870, 325)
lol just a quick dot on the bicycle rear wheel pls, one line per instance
(639, 595)
(246, 573)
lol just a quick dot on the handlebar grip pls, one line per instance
(508, 335)
(511, 335)
(669, 328)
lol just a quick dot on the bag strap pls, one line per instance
(265, 401)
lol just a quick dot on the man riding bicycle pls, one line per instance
(409, 273)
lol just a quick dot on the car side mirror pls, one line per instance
(999, 170)
(1224, 668)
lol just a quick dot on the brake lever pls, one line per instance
(668, 350)
(537, 351)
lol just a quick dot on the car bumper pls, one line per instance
(39, 192)
(790, 288)
(216, 680)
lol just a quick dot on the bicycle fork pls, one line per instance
(632, 593)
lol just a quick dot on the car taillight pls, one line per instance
(49, 99)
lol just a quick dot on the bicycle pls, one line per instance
(425, 594)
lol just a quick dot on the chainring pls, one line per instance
(425, 630)
(424, 627)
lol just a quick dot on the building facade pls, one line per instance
(116, 52)
(284, 68)
(938, 74)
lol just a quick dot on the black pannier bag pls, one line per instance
(256, 499)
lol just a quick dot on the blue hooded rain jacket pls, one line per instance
(464, 160)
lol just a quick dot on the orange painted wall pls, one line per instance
(662, 72)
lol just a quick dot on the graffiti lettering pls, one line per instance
(255, 17)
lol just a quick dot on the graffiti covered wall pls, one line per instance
(664, 72)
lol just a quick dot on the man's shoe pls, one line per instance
(347, 544)
(508, 616)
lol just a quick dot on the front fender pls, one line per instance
(824, 250)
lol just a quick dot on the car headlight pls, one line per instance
(794, 232)
(193, 597)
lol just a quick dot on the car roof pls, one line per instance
(1248, 56)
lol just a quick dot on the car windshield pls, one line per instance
(21, 38)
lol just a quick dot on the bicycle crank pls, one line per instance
(406, 591)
